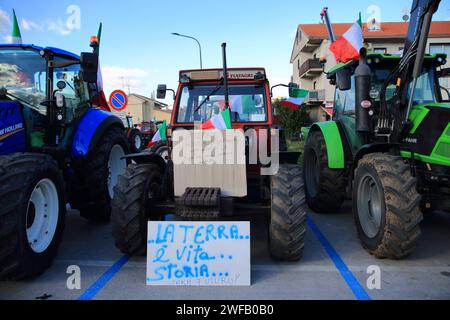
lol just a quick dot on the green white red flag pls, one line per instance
(221, 121)
(160, 135)
(348, 46)
(296, 99)
(16, 37)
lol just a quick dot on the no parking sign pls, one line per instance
(118, 100)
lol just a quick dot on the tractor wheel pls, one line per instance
(138, 188)
(136, 142)
(161, 149)
(104, 165)
(288, 214)
(386, 206)
(32, 213)
(325, 187)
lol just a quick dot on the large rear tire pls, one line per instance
(386, 206)
(325, 187)
(137, 189)
(288, 214)
(32, 213)
(104, 166)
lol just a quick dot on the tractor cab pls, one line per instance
(427, 92)
(201, 96)
(52, 86)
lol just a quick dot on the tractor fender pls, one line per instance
(333, 141)
(147, 157)
(92, 126)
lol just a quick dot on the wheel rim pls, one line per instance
(370, 207)
(116, 166)
(42, 215)
(312, 172)
(137, 142)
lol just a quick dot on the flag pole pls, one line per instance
(326, 17)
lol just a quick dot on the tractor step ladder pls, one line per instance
(199, 204)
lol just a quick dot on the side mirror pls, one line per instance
(292, 87)
(344, 79)
(161, 91)
(89, 67)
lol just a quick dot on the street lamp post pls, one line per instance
(199, 46)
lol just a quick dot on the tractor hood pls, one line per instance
(429, 138)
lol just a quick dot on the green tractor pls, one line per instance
(388, 144)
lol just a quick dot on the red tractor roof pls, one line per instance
(188, 76)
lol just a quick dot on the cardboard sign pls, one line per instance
(186, 253)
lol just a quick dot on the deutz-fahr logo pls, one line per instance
(411, 140)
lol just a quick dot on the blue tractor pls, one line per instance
(56, 147)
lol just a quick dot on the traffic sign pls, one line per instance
(118, 100)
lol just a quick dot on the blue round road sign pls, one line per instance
(118, 100)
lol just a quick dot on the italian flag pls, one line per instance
(348, 46)
(16, 37)
(297, 97)
(161, 135)
(221, 121)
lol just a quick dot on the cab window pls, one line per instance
(247, 103)
(345, 100)
(76, 92)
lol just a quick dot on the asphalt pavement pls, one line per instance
(334, 266)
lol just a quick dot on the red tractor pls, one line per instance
(134, 135)
(153, 188)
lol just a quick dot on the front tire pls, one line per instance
(386, 206)
(136, 141)
(138, 188)
(288, 214)
(325, 187)
(32, 213)
(103, 167)
(161, 149)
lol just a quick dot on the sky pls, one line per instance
(139, 52)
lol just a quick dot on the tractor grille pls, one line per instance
(443, 149)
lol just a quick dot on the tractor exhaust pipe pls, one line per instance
(225, 75)
(363, 103)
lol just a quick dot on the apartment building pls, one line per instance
(312, 43)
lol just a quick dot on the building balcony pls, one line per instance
(315, 97)
(311, 68)
(311, 45)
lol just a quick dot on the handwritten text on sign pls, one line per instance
(198, 253)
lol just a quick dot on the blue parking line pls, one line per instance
(352, 282)
(98, 285)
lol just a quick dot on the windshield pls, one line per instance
(247, 103)
(424, 93)
(23, 75)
